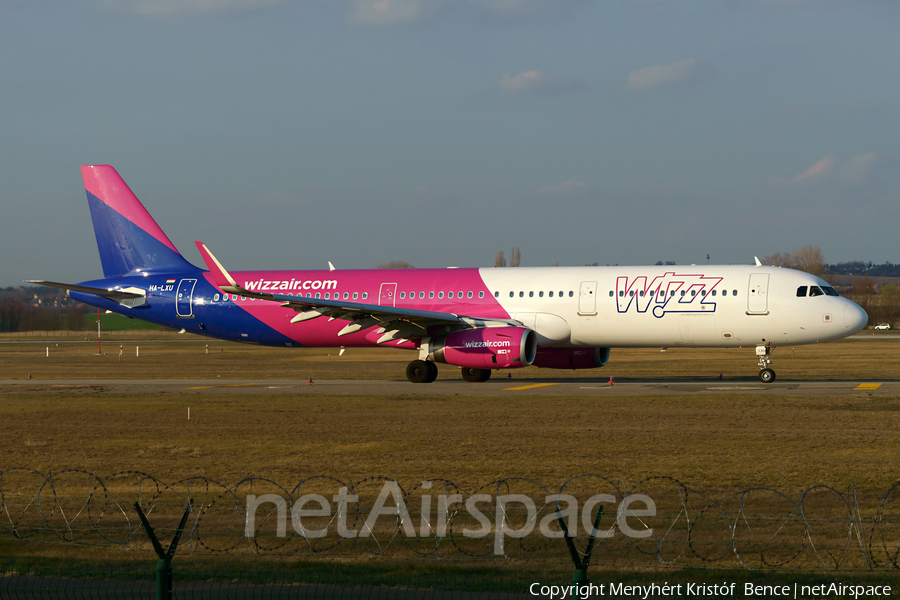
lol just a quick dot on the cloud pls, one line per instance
(566, 187)
(661, 75)
(524, 8)
(817, 171)
(860, 167)
(164, 8)
(538, 82)
(381, 13)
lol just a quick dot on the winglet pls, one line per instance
(758, 264)
(221, 277)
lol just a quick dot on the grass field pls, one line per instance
(715, 444)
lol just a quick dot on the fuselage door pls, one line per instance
(388, 294)
(587, 298)
(757, 297)
(183, 298)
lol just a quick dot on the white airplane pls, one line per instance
(477, 319)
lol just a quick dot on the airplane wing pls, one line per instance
(106, 293)
(395, 323)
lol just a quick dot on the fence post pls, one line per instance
(164, 565)
(581, 564)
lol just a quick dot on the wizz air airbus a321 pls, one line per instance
(476, 319)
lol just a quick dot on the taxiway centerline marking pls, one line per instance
(527, 387)
(868, 386)
(209, 387)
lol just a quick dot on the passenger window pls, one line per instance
(801, 291)
(682, 292)
(672, 293)
(815, 290)
(521, 294)
(641, 293)
(703, 293)
(496, 294)
(734, 292)
(365, 295)
(714, 292)
(216, 298)
(621, 294)
(511, 294)
(469, 295)
(459, 295)
(450, 294)
(346, 295)
(571, 293)
(531, 294)
(481, 294)
(441, 295)
(550, 294)
(318, 296)
(234, 297)
(693, 293)
(651, 293)
(403, 295)
(242, 298)
(421, 295)
(610, 293)
(336, 295)
(431, 295)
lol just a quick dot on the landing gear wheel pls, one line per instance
(767, 375)
(476, 375)
(432, 371)
(418, 371)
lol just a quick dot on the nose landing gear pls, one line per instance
(766, 375)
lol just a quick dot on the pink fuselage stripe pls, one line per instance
(105, 183)
(376, 284)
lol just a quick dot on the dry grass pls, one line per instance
(717, 444)
(187, 357)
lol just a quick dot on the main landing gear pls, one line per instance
(425, 371)
(476, 375)
(766, 375)
(421, 371)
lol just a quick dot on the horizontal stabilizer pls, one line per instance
(108, 293)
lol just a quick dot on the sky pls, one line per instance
(288, 133)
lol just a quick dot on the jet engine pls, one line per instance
(486, 348)
(571, 358)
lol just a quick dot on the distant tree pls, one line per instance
(889, 304)
(75, 317)
(556, 264)
(500, 260)
(808, 259)
(864, 294)
(659, 263)
(396, 264)
(515, 257)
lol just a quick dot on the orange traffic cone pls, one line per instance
(29, 376)
(612, 381)
(309, 381)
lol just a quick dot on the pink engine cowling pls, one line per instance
(571, 358)
(486, 348)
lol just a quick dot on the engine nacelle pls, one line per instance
(571, 358)
(486, 348)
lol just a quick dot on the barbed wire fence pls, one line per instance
(821, 528)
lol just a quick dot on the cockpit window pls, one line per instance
(815, 290)
(801, 291)
(830, 291)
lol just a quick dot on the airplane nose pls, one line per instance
(855, 318)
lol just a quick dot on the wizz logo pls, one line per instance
(667, 293)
